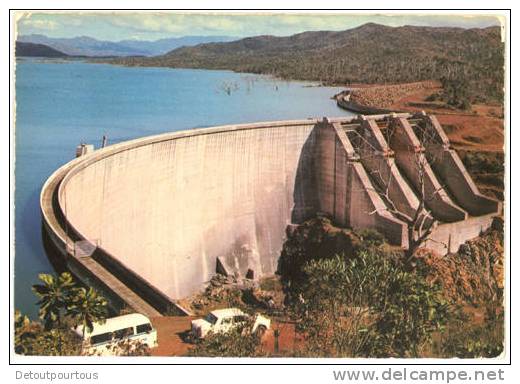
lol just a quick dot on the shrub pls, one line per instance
(32, 339)
(408, 311)
(371, 237)
(433, 97)
(483, 162)
(464, 339)
(238, 342)
(367, 306)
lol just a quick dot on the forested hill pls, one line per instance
(36, 50)
(370, 53)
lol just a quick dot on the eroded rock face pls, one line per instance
(474, 275)
(314, 239)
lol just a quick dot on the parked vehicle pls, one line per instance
(105, 336)
(224, 320)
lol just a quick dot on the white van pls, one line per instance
(104, 337)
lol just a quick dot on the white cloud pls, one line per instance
(35, 23)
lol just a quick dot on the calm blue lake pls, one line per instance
(61, 104)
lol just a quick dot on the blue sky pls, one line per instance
(150, 26)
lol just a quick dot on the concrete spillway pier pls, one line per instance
(149, 219)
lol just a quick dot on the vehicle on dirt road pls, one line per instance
(104, 338)
(224, 320)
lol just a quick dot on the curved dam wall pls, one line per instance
(151, 220)
(168, 206)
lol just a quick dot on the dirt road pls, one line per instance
(173, 330)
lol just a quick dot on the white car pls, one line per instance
(223, 320)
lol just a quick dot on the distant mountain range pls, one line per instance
(36, 50)
(88, 46)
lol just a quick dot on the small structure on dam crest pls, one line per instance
(159, 215)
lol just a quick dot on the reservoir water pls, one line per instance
(60, 104)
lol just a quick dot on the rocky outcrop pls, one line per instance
(475, 274)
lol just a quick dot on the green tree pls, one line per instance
(367, 306)
(408, 310)
(456, 92)
(54, 295)
(62, 305)
(87, 307)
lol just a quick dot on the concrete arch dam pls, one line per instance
(148, 220)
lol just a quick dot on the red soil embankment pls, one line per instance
(385, 96)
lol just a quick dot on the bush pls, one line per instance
(238, 342)
(371, 237)
(483, 162)
(32, 339)
(465, 104)
(466, 340)
(367, 306)
(456, 92)
(408, 310)
(433, 97)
